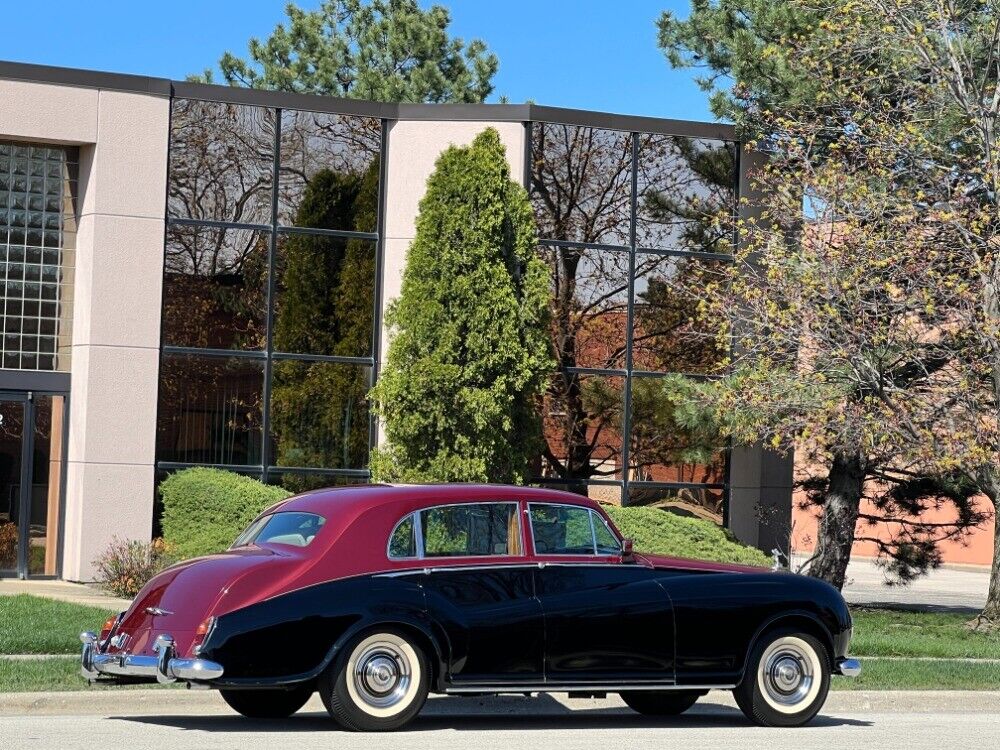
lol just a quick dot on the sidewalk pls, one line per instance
(76, 593)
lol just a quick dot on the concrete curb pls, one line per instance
(160, 702)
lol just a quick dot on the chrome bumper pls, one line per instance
(165, 667)
(848, 667)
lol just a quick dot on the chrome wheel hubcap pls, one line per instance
(787, 674)
(382, 674)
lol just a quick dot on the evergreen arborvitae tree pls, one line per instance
(469, 358)
(318, 409)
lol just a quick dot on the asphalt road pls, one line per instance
(512, 723)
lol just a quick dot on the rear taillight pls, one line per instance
(201, 634)
(108, 627)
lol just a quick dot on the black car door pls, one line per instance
(604, 620)
(481, 593)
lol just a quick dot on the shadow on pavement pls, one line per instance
(475, 714)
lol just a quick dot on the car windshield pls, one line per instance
(294, 528)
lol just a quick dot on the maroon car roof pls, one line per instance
(363, 497)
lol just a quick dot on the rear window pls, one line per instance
(294, 528)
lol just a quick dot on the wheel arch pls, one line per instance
(421, 633)
(801, 620)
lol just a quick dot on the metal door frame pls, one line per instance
(29, 411)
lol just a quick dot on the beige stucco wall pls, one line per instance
(116, 316)
(412, 149)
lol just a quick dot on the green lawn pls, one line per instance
(913, 674)
(885, 632)
(34, 625)
(49, 675)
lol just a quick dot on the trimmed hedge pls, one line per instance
(660, 532)
(204, 510)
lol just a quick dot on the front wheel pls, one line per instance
(379, 682)
(786, 680)
(267, 704)
(660, 702)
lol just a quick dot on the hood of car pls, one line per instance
(707, 566)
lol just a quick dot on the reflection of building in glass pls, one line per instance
(226, 257)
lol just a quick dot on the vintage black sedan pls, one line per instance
(375, 596)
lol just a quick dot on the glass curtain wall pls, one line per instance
(269, 301)
(628, 223)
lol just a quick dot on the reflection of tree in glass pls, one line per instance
(319, 413)
(221, 162)
(685, 185)
(581, 190)
(215, 285)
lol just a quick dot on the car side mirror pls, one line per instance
(627, 550)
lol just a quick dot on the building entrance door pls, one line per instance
(32, 441)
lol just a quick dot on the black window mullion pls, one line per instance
(379, 266)
(629, 322)
(265, 421)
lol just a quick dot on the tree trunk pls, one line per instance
(840, 517)
(989, 618)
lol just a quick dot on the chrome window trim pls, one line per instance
(427, 570)
(593, 534)
(418, 529)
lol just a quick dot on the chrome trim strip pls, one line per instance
(563, 688)
(494, 566)
(848, 667)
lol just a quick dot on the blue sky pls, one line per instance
(589, 54)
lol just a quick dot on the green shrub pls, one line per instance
(660, 532)
(204, 510)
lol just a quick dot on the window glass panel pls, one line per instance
(668, 334)
(403, 543)
(684, 184)
(581, 183)
(329, 171)
(221, 162)
(582, 424)
(661, 449)
(476, 529)
(295, 529)
(589, 306)
(325, 292)
(215, 288)
(561, 530)
(210, 409)
(319, 414)
(37, 255)
(693, 502)
(607, 543)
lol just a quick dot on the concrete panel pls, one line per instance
(43, 112)
(413, 148)
(394, 261)
(103, 501)
(119, 281)
(113, 412)
(128, 172)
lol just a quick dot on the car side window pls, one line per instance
(403, 540)
(607, 543)
(561, 530)
(471, 529)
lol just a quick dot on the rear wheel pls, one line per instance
(379, 682)
(660, 702)
(786, 680)
(267, 704)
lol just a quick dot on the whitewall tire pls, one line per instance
(786, 681)
(378, 682)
